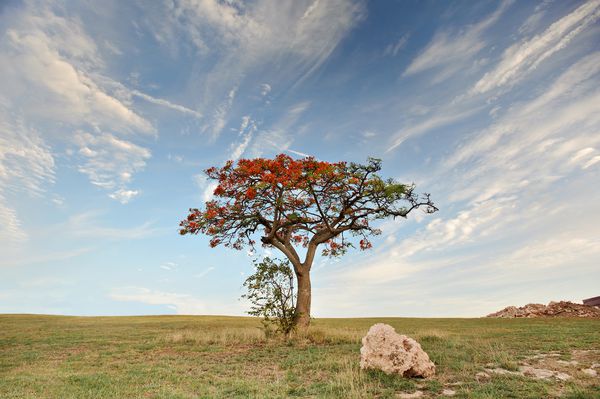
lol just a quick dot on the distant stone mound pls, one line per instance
(553, 309)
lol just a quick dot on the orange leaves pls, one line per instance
(334, 245)
(210, 213)
(280, 188)
(283, 171)
(270, 178)
(251, 193)
(219, 191)
(334, 248)
(211, 171)
(365, 244)
(297, 200)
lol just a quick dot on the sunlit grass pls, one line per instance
(229, 357)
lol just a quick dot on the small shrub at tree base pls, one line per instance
(271, 293)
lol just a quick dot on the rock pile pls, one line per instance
(553, 309)
(386, 350)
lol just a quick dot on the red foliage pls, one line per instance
(299, 202)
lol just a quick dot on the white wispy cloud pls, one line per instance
(570, 99)
(521, 58)
(169, 266)
(207, 192)
(533, 22)
(11, 230)
(246, 132)
(205, 186)
(80, 234)
(508, 186)
(238, 149)
(164, 103)
(297, 36)
(494, 276)
(220, 115)
(89, 225)
(302, 154)
(45, 65)
(51, 74)
(280, 135)
(393, 49)
(26, 161)
(183, 304)
(204, 272)
(430, 248)
(124, 196)
(265, 89)
(449, 53)
(517, 60)
(556, 251)
(444, 117)
(45, 282)
(24, 257)
(247, 129)
(530, 150)
(110, 162)
(180, 303)
(26, 167)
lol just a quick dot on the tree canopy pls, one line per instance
(303, 202)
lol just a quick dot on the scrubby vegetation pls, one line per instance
(229, 357)
(270, 291)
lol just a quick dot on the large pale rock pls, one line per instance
(386, 350)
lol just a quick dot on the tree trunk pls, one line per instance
(302, 315)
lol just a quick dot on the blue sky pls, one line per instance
(110, 111)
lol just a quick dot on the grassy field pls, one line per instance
(228, 357)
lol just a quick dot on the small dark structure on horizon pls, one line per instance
(595, 301)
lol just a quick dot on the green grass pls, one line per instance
(228, 357)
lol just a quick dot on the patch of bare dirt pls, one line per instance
(547, 366)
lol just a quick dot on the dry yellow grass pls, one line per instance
(229, 357)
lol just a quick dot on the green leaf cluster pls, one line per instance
(270, 291)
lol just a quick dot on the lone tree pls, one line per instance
(300, 203)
